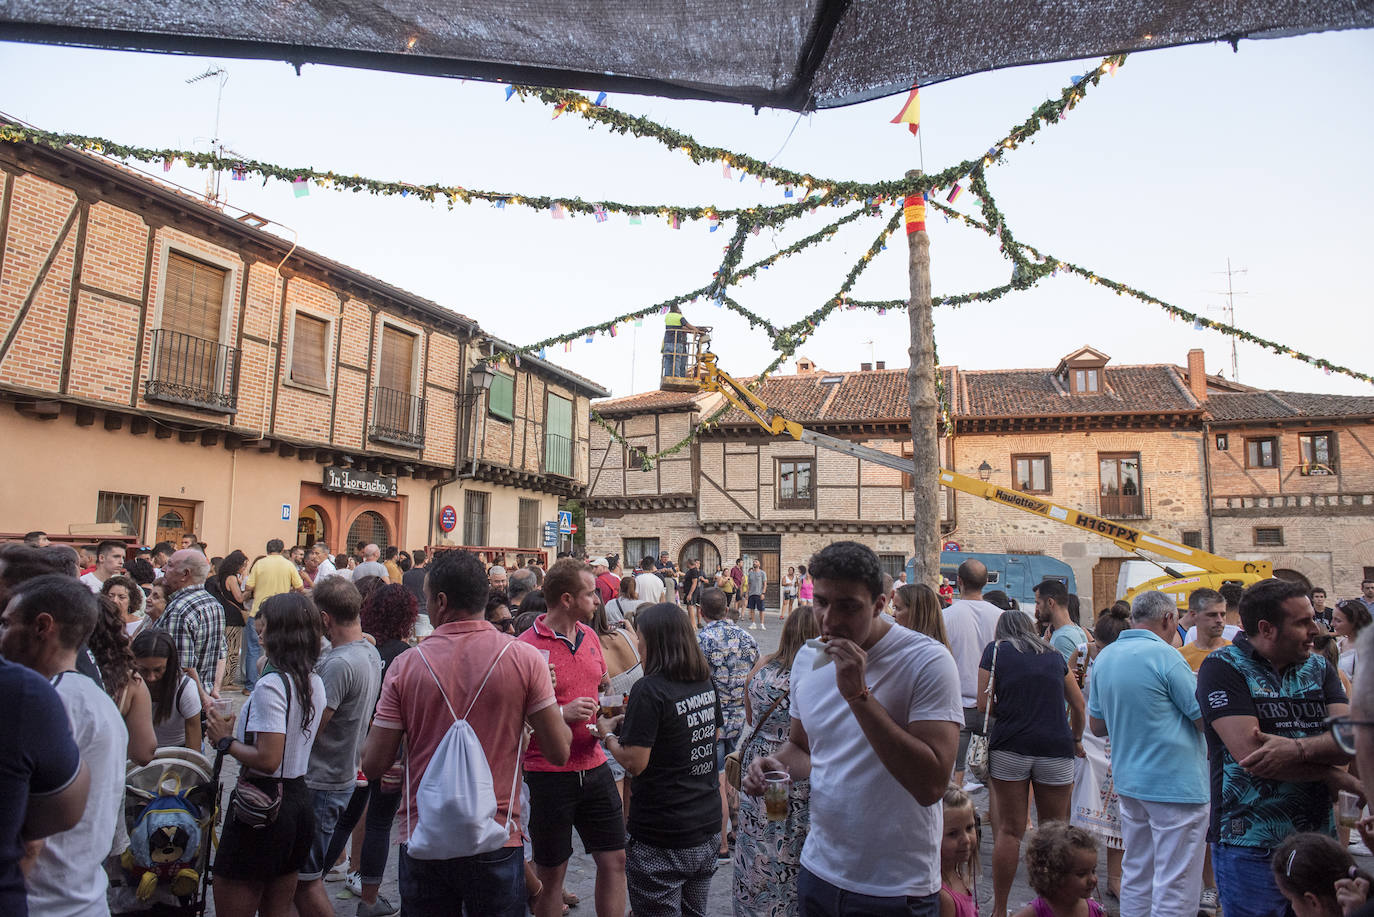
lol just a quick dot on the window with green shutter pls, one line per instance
(501, 398)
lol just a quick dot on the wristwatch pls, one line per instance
(222, 746)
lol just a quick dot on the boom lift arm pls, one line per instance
(711, 378)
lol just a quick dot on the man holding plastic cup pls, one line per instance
(876, 712)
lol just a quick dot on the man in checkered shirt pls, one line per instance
(195, 619)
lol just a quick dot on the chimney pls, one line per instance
(882, 364)
(1197, 374)
(865, 367)
(805, 366)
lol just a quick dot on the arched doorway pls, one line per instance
(369, 527)
(310, 527)
(171, 525)
(1293, 576)
(702, 550)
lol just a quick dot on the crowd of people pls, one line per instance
(836, 775)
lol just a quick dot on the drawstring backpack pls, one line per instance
(455, 802)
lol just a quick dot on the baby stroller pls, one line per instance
(170, 811)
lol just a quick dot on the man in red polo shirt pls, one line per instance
(581, 793)
(461, 651)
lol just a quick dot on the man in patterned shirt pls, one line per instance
(1274, 765)
(731, 654)
(195, 619)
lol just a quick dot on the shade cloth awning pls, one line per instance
(793, 54)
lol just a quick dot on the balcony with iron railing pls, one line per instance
(398, 418)
(1125, 506)
(193, 372)
(557, 455)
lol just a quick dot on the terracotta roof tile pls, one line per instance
(657, 401)
(1224, 406)
(1036, 392)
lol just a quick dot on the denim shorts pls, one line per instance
(328, 807)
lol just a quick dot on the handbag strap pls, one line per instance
(286, 724)
(766, 714)
(992, 681)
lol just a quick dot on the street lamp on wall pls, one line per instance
(481, 376)
(984, 471)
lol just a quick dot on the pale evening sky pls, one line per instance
(1185, 158)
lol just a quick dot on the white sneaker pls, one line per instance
(972, 786)
(763, 627)
(753, 627)
(354, 883)
(338, 873)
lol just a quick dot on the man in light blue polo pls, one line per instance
(1144, 696)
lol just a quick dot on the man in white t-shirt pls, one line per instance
(109, 560)
(875, 724)
(969, 623)
(648, 585)
(47, 619)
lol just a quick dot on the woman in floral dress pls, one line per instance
(768, 854)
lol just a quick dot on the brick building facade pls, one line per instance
(169, 368)
(1134, 443)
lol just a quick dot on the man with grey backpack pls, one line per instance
(459, 823)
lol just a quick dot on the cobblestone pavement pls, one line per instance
(581, 875)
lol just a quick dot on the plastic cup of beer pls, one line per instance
(612, 705)
(777, 790)
(1348, 809)
(222, 706)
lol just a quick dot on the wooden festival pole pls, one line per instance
(923, 398)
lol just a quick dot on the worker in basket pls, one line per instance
(675, 343)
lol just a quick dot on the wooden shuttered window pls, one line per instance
(193, 297)
(397, 369)
(309, 343)
(528, 533)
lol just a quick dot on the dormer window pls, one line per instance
(1082, 372)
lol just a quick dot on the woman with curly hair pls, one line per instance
(255, 868)
(388, 616)
(129, 598)
(109, 644)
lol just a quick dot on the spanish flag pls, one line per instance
(910, 115)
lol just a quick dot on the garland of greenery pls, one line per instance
(1055, 264)
(816, 192)
(785, 341)
(755, 320)
(773, 215)
(1049, 112)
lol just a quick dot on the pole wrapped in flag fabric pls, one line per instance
(910, 115)
(914, 212)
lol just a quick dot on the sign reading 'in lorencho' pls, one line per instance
(360, 483)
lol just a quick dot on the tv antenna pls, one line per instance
(1230, 308)
(212, 181)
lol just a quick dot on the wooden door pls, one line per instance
(174, 519)
(1104, 586)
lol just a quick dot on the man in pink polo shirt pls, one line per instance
(461, 651)
(580, 792)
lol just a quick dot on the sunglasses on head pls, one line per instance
(1343, 731)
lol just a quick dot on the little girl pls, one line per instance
(1061, 862)
(1307, 869)
(958, 857)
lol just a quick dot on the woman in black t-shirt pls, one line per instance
(666, 740)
